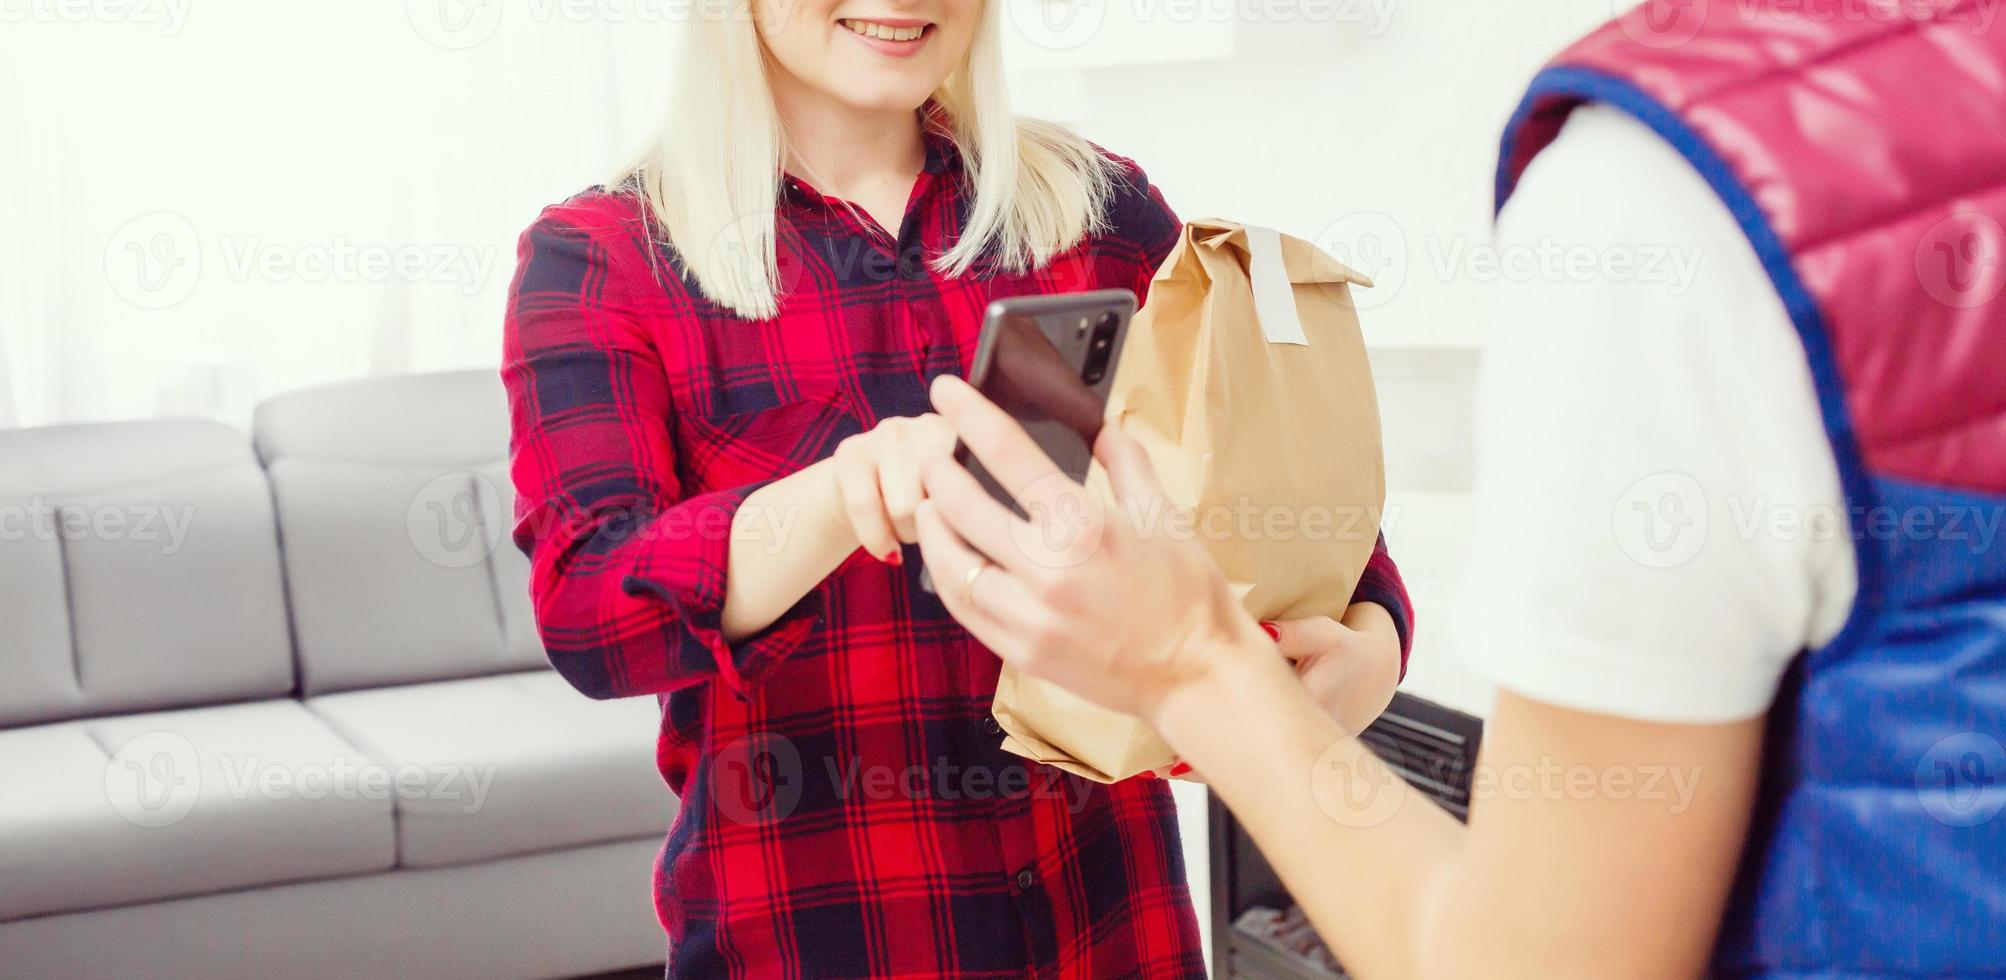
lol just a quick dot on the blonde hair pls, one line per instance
(711, 179)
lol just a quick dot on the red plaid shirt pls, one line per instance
(847, 810)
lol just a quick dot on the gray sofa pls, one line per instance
(275, 707)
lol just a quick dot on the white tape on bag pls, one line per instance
(1274, 296)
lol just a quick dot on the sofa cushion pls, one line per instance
(518, 763)
(395, 508)
(111, 811)
(139, 570)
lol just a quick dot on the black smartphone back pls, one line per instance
(1049, 362)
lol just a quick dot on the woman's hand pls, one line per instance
(1350, 667)
(878, 479)
(1077, 594)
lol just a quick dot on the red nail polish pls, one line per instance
(1146, 774)
(1274, 632)
(895, 558)
(1180, 768)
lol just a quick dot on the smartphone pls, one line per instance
(1049, 361)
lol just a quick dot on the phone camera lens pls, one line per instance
(1101, 350)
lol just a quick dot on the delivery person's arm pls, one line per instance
(1556, 876)
(1550, 883)
(1631, 591)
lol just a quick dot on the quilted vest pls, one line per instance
(1861, 146)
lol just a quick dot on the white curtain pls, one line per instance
(205, 203)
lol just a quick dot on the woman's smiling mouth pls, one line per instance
(890, 36)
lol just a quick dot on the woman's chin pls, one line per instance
(892, 95)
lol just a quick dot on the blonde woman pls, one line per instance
(718, 368)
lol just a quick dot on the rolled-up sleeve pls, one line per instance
(1381, 585)
(627, 573)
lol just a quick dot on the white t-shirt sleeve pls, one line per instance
(1659, 523)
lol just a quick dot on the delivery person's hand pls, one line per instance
(877, 477)
(1076, 594)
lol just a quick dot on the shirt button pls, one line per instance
(1027, 880)
(990, 726)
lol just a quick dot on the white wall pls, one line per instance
(173, 173)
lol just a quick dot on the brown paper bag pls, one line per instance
(1245, 377)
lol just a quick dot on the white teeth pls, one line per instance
(886, 32)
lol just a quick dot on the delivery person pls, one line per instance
(1736, 573)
